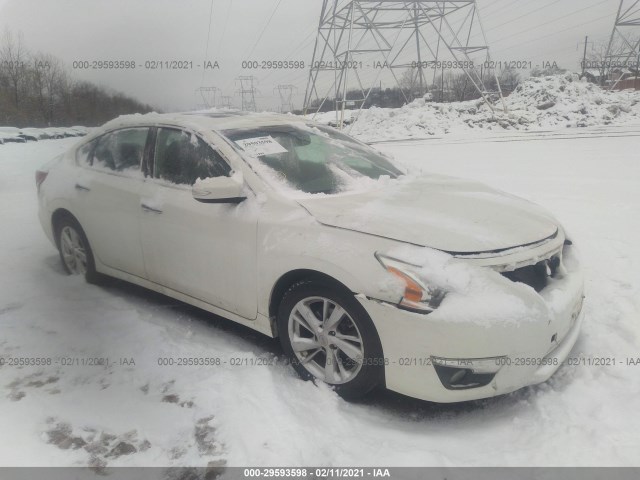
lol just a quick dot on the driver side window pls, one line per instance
(182, 158)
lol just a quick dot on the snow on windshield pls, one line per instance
(301, 160)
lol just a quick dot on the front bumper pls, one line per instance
(527, 353)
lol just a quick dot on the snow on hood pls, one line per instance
(439, 212)
(472, 292)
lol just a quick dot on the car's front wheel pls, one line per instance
(328, 335)
(75, 252)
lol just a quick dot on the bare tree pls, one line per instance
(509, 79)
(53, 74)
(14, 59)
(544, 72)
(409, 82)
(604, 65)
(460, 87)
(36, 90)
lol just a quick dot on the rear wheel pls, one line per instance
(328, 336)
(75, 252)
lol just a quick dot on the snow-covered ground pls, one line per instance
(538, 103)
(148, 414)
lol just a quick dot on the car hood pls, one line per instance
(440, 212)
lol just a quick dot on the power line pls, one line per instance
(556, 33)
(206, 50)
(552, 21)
(263, 30)
(224, 28)
(525, 14)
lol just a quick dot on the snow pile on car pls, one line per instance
(537, 103)
(471, 292)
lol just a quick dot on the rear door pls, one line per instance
(108, 197)
(204, 250)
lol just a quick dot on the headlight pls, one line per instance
(418, 295)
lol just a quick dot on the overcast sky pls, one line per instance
(141, 30)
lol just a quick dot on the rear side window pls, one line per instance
(84, 155)
(121, 150)
(182, 158)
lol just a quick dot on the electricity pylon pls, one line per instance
(623, 50)
(225, 102)
(285, 92)
(247, 91)
(207, 95)
(387, 35)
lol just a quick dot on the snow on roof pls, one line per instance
(215, 119)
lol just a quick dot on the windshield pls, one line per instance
(312, 159)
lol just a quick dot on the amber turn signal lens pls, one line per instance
(412, 291)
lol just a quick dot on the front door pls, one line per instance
(204, 250)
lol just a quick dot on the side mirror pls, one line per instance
(219, 189)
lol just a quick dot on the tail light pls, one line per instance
(40, 177)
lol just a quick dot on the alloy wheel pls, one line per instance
(73, 251)
(325, 340)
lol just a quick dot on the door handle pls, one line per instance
(147, 208)
(82, 188)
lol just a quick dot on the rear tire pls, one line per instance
(327, 335)
(75, 252)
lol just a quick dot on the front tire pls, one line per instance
(75, 252)
(327, 335)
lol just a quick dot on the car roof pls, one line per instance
(205, 120)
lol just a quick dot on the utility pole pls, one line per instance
(584, 57)
(247, 91)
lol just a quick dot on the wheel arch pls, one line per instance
(56, 218)
(292, 277)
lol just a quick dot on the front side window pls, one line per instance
(182, 158)
(121, 150)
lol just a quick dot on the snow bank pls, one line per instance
(536, 104)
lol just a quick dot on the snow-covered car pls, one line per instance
(71, 132)
(28, 134)
(11, 134)
(34, 134)
(79, 130)
(55, 132)
(431, 286)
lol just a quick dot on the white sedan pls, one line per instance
(431, 286)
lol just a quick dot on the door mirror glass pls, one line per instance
(219, 189)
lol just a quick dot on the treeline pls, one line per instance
(37, 91)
